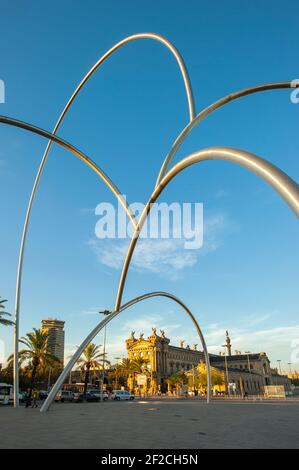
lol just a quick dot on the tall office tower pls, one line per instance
(56, 338)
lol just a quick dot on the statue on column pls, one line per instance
(162, 333)
(228, 344)
(154, 330)
(195, 347)
(182, 343)
(132, 335)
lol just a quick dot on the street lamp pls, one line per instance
(116, 376)
(226, 368)
(49, 378)
(290, 364)
(104, 312)
(279, 365)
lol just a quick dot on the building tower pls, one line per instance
(228, 344)
(56, 336)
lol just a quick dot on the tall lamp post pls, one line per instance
(248, 361)
(49, 379)
(226, 369)
(290, 364)
(116, 376)
(104, 312)
(279, 365)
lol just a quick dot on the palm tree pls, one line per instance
(91, 361)
(37, 354)
(139, 366)
(131, 367)
(4, 321)
(177, 379)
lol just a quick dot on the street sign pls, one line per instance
(141, 379)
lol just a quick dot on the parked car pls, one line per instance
(91, 395)
(97, 394)
(122, 395)
(43, 394)
(64, 395)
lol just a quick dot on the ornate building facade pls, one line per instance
(245, 373)
(162, 358)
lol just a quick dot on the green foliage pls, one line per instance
(92, 359)
(177, 379)
(4, 321)
(36, 357)
(200, 377)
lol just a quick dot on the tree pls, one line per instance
(4, 321)
(131, 367)
(177, 380)
(37, 355)
(200, 377)
(90, 361)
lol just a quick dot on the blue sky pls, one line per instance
(246, 277)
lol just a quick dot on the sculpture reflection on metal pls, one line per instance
(286, 187)
(213, 107)
(65, 373)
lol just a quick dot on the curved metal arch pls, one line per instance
(107, 181)
(287, 188)
(213, 107)
(66, 371)
(84, 158)
(192, 113)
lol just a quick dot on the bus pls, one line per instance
(6, 394)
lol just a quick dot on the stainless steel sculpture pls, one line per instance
(191, 105)
(110, 317)
(285, 186)
(213, 107)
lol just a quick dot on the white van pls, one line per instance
(6, 394)
(122, 395)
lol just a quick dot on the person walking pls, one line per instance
(28, 399)
(35, 395)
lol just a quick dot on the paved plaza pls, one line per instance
(154, 424)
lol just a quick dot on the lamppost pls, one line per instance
(116, 376)
(279, 365)
(49, 378)
(226, 368)
(104, 312)
(290, 364)
(248, 361)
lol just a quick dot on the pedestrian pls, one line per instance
(28, 398)
(34, 398)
